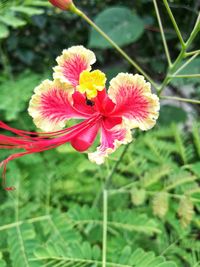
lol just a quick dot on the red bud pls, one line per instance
(62, 4)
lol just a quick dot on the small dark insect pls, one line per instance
(89, 102)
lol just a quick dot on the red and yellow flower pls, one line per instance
(79, 93)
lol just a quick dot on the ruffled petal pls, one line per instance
(72, 63)
(111, 139)
(134, 101)
(52, 105)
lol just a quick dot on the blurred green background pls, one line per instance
(54, 217)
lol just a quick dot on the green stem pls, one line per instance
(185, 76)
(16, 224)
(193, 101)
(105, 36)
(194, 31)
(164, 83)
(172, 71)
(110, 176)
(187, 54)
(174, 23)
(162, 33)
(181, 55)
(105, 226)
(185, 64)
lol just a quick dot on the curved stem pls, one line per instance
(174, 23)
(185, 64)
(105, 36)
(172, 70)
(193, 101)
(194, 32)
(185, 76)
(162, 33)
(105, 226)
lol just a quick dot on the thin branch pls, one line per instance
(181, 55)
(86, 261)
(187, 54)
(174, 23)
(193, 101)
(22, 248)
(185, 76)
(105, 227)
(162, 33)
(110, 175)
(33, 220)
(144, 228)
(194, 31)
(180, 6)
(185, 64)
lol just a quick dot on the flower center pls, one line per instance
(91, 82)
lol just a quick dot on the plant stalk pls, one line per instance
(194, 32)
(186, 76)
(105, 226)
(162, 34)
(172, 70)
(110, 176)
(193, 101)
(187, 54)
(185, 64)
(174, 23)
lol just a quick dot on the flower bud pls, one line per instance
(62, 4)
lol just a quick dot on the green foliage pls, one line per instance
(4, 32)
(89, 256)
(21, 89)
(56, 231)
(2, 263)
(169, 114)
(120, 23)
(55, 216)
(13, 14)
(191, 68)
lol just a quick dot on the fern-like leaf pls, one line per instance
(85, 256)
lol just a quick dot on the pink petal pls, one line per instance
(52, 106)
(103, 103)
(134, 101)
(86, 138)
(71, 63)
(111, 139)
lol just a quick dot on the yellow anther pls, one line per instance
(91, 82)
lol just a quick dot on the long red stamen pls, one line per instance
(33, 142)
